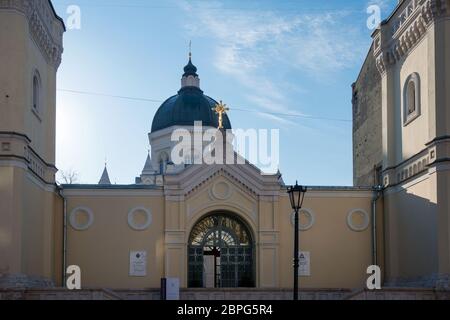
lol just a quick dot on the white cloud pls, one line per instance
(383, 4)
(247, 42)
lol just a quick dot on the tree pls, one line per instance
(67, 177)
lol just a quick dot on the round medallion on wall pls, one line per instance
(140, 219)
(221, 190)
(81, 218)
(306, 218)
(358, 220)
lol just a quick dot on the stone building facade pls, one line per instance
(229, 225)
(367, 124)
(412, 53)
(31, 36)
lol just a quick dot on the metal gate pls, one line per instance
(229, 241)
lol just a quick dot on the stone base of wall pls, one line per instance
(185, 294)
(238, 294)
(17, 281)
(437, 281)
(224, 294)
(400, 294)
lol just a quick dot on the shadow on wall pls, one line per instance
(411, 243)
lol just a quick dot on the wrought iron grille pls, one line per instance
(229, 239)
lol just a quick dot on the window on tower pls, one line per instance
(36, 92)
(163, 159)
(411, 98)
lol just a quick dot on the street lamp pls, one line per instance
(296, 196)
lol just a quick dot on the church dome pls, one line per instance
(188, 106)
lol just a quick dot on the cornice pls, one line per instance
(435, 152)
(398, 36)
(46, 28)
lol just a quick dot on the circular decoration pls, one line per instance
(81, 218)
(306, 219)
(358, 220)
(222, 190)
(140, 219)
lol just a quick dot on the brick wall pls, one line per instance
(367, 139)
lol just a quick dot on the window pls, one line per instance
(163, 161)
(36, 92)
(411, 98)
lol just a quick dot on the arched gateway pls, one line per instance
(220, 253)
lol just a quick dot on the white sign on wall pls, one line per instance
(138, 263)
(172, 289)
(304, 269)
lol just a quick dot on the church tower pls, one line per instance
(31, 37)
(411, 52)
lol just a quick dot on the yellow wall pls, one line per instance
(102, 252)
(10, 222)
(339, 255)
(27, 224)
(411, 139)
(29, 206)
(411, 226)
(38, 218)
(20, 58)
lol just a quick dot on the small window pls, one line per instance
(163, 160)
(411, 98)
(36, 93)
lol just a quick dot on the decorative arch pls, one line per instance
(244, 214)
(221, 252)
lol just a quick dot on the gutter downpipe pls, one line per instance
(64, 253)
(376, 197)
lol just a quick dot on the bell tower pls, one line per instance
(31, 47)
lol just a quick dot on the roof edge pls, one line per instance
(56, 15)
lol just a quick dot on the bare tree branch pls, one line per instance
(67, 177)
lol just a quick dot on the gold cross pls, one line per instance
(221, 109)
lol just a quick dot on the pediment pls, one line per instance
(247, 177)
(221, 190)
(221, 185)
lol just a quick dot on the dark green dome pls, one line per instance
(188, 106)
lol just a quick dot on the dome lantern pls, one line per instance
(190, 77)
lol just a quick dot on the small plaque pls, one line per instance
(304, 264)
(138, 263)
(173, 289)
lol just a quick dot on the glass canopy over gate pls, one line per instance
(220, 253)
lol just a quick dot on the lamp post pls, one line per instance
(296, 196)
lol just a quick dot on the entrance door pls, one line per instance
(220, 253)
(209, 271)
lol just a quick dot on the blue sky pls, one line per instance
(266, 56)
